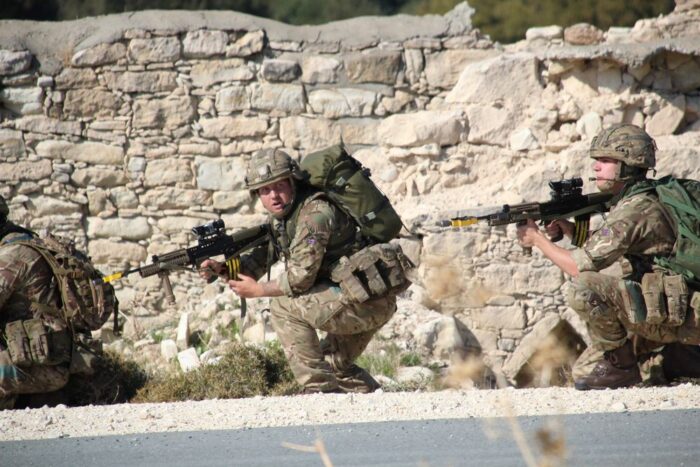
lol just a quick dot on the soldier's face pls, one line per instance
(607, 174)
(276, 196)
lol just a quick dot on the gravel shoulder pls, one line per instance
(321, 409)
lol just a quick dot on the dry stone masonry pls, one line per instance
(122, 132)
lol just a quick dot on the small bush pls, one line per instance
(243, 371)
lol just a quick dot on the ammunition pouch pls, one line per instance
(375, 271)
(31, 342)
(659, 299)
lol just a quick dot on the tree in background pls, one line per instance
(504, 20)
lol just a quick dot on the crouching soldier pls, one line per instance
(320, 288)
(49, 302)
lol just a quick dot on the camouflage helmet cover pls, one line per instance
(626, 143)
(267, 166)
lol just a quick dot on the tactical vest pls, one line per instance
(340, 243)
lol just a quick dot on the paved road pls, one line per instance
(639, 439)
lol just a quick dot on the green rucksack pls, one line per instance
(681, 197)
(349, 186)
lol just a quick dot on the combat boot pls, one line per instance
(618, 369)
(357, 379)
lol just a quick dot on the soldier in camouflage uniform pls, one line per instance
(311, 235)
(637, 228)
(25, 283)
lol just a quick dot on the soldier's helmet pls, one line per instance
(4, 210)
(269, 165)
(626, 143)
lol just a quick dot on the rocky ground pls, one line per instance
(259, 412)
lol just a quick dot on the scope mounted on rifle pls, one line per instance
(566, 188)
(209, 229)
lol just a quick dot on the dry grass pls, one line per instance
(243, 371)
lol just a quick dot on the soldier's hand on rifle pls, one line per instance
(560, 226)
(246, 287)
(528, 234)
(210, 268)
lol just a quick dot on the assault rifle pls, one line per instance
(567, 200)
(211, 241)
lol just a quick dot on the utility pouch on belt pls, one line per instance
(654, 298)
(373, 272)
(633, 300)
(18, 344)
(676, 291)
(48, 347)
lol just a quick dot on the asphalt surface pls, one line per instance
(661, 438)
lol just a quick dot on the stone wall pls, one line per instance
(122, 132)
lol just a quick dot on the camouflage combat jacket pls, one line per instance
(309, 240)
(25, 278)
(636, 228)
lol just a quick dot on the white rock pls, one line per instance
(188, 360)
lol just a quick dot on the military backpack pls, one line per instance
(681, 198)
(86, 301)
(349, 186)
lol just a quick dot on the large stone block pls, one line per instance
(220, 174)
(71, 78)
(154, 50)
(25, 170)
(174, 198)
(308, 133)
(499, 317)
(281, 98)
(491, 124)
(361, 131)
(280, 70)
(13, 62)
(94, 103)
(142, 81)
(319, 69)
(511, 79)
(377, 66)
(136, 228)
(233, 98)
(94, 153)
(416, 129)
(172, 225)
(686, 78)
(23, 101)
(11, 144)
(103, 251)
(48, 206)
(204, 43)
(208, 73)
(37, 124)
(100, 177)
(168, 113)
(667, 120)
(443, 68)
(250, 43)
(101, 54)
(167, 171)
(233, 127)
(343, 102)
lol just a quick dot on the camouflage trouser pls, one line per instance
(318, 365)
(597, 298)
(16, 380)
